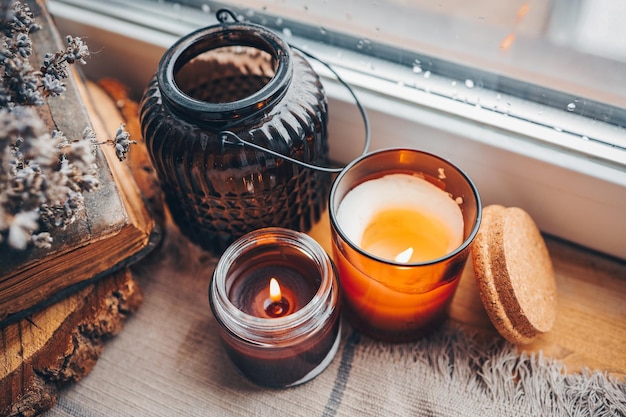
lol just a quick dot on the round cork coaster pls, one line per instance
(514, 274)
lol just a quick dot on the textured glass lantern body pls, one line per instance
(244, 79)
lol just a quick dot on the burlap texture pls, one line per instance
(168, 361)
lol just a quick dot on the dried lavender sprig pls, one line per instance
(42, 175)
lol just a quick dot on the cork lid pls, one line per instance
(514, 274)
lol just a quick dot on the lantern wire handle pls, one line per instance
(223, 15)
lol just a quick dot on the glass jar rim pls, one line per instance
(218, 36)
(300, 323)
(335, 224)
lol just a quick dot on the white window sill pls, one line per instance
(552, 164)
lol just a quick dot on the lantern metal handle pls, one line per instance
(222, 16)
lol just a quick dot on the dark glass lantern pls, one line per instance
(229, 81)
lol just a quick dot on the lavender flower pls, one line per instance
(42, 174)
(122, 142)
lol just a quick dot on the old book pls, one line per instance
(117, 227)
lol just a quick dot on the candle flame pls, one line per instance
(405, 255)
(275, 294)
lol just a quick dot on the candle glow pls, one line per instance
(408, 212)
(401, 220)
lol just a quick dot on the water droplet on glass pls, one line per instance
(176, 6)
(498, 97)
(453, 83)
(206, 8)
(287, 32)
(323, 31)
(584, 138)
(400, 83)
(417, 66)
(250, 12)
(427, 74)
(279, 21)
(469, 83)
(558, 129)
(571, 107)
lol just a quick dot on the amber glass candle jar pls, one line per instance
(277, 339)
(244, 79)
(401, 243)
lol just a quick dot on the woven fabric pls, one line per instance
(168, 361)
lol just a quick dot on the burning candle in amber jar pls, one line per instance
(275, 296)
(402, 224)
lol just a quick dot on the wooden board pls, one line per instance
(61, 343)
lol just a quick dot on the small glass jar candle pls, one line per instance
(275, 296)
(402, 222)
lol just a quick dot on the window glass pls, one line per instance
(557, 63)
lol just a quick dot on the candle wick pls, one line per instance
(277, 308)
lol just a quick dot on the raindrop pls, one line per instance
(453, 83)
(279, 21)
(363, 44)
(206, 8)
(417, 66)
(287, 32)
(558, 129)
(427, 74)
(571, 107)
(469, 83)
(584, 138)
(323, 31)
(250, 12)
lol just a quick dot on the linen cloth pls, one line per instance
(169, 361)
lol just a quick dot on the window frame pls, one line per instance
(569, 180)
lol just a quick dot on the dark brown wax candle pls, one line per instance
(296, 274)
(279, 333)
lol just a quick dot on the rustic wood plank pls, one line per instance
(61, 343)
